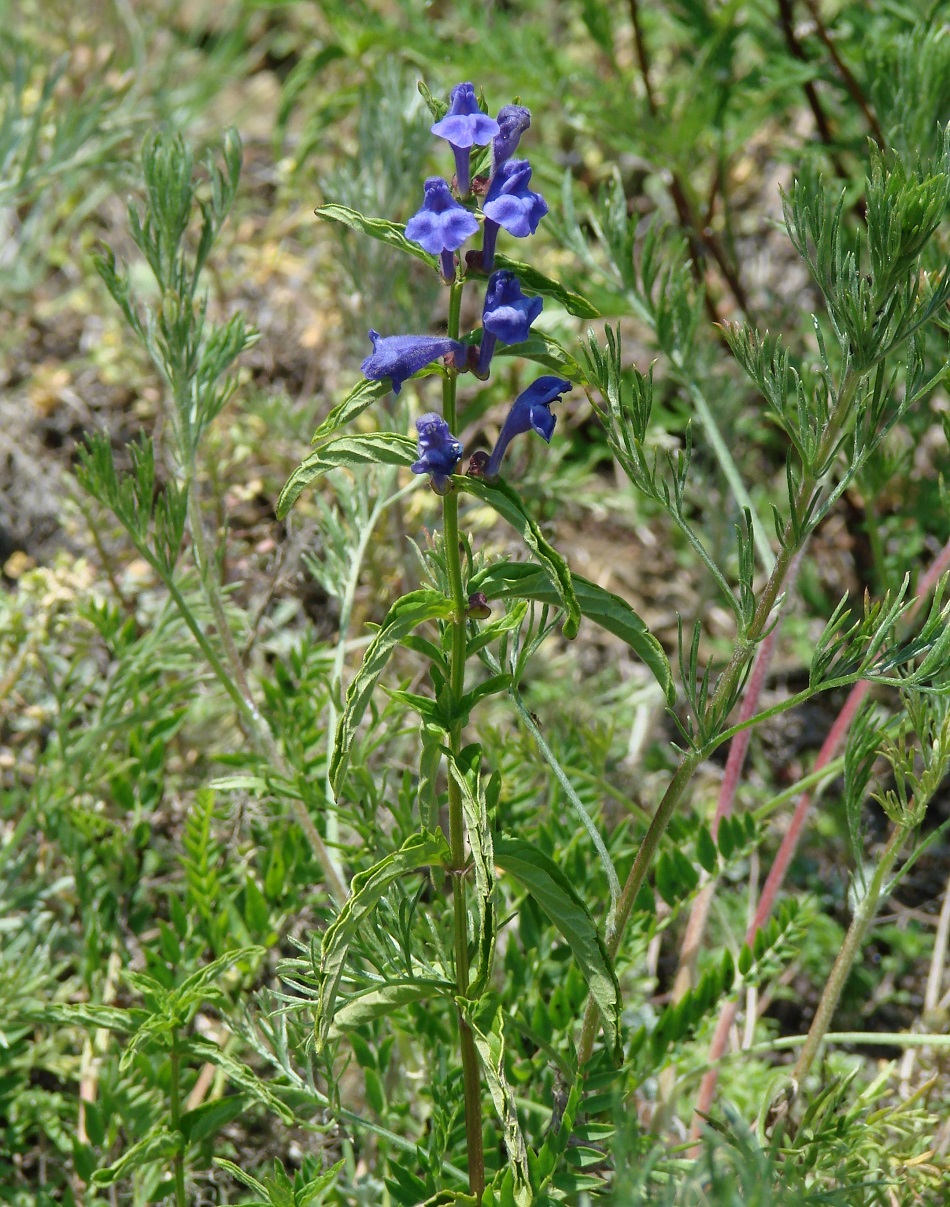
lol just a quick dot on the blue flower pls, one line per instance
(439, 451)
(511, 204)
(399, 356)
(507, 315)
(530, 412)
(441, 226)
(513, 120)
(463, 127)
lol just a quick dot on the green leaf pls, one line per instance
(158, 1145)
(245, 1178)
(381, 1000)
(465, 771)
(391, 233)
(486, 1020)
(364, 448)
(363, 395)
(419, 850)
(522, 580)
(510, 507)
(706, 851)
(537, 282)
(405, 615)
(556, 896)
(544, 350)
(210, 1117)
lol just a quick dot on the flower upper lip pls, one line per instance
(464, 125)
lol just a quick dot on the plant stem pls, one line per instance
(178, 1162)
(726, 686)
(450, 530)
(863, 916)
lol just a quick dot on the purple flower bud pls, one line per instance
(513, 120)
(441, 225)
(399, 356)
(507, 315)
(439, 451)
(463, 127)
(511, 204)
(530, 412)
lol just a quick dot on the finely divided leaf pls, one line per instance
(368, 448)
(404, 616)
(509, 506)
(420, 850)
(556, 896)
(521, 580)
(537, 282)
(392, 233)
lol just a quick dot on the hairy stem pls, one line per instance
(450, 528)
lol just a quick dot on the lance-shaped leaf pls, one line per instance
(556, 896)
(404, 616)
(158, 1145)
(486, 1019)
(522, 580)
(537, 282)
(509, 506)
(420, 850)
(364, 448)
(380, 1000)
(465, 771)
(392, 233)
(544, 350)
(363, 395)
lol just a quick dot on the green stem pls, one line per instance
(863, 916)
(178, 1162)
(726, 686)
(453, 563)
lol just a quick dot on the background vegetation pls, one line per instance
(173, 658)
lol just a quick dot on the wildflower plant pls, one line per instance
(878, 302)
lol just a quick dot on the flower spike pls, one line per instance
(463, 127)
(400, 356)
(439, 451)
(530, 412)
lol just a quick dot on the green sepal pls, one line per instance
(420, 850)
(391, 233)
(522, 580)
(363, 448)
(500, 496)
(556, 896)
(404, 616)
